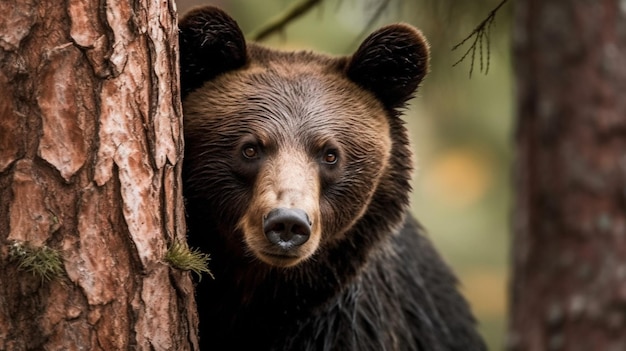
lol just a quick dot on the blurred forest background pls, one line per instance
(461, 126)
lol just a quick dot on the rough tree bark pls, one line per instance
(569, 284)
(90, 158)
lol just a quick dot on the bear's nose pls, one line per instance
(287, 227)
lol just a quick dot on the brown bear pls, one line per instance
(296, 176)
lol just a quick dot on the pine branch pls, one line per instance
(279, 22)
(481, 37)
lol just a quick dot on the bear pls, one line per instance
(296, 177)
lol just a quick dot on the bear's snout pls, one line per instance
(282, 225)
(287, 228)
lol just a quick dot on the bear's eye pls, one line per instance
(250, 151)
(330, 157)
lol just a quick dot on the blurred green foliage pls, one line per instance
(460, 127)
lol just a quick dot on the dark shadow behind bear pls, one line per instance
(296, 175)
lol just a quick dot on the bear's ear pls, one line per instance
(211, 43)
(391, 63)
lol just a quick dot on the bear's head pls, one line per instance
(294, 157)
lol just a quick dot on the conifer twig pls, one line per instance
(279, 22)
(481, 37)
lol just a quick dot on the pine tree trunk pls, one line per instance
(90, 161)
(569, 284)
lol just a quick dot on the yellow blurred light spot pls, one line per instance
(458, 177)
(485, 289)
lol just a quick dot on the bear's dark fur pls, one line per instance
(296, 176)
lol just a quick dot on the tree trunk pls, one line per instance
(569, 275)
(90, 161)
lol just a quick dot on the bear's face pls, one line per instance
(279, 137)
(286, 150)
